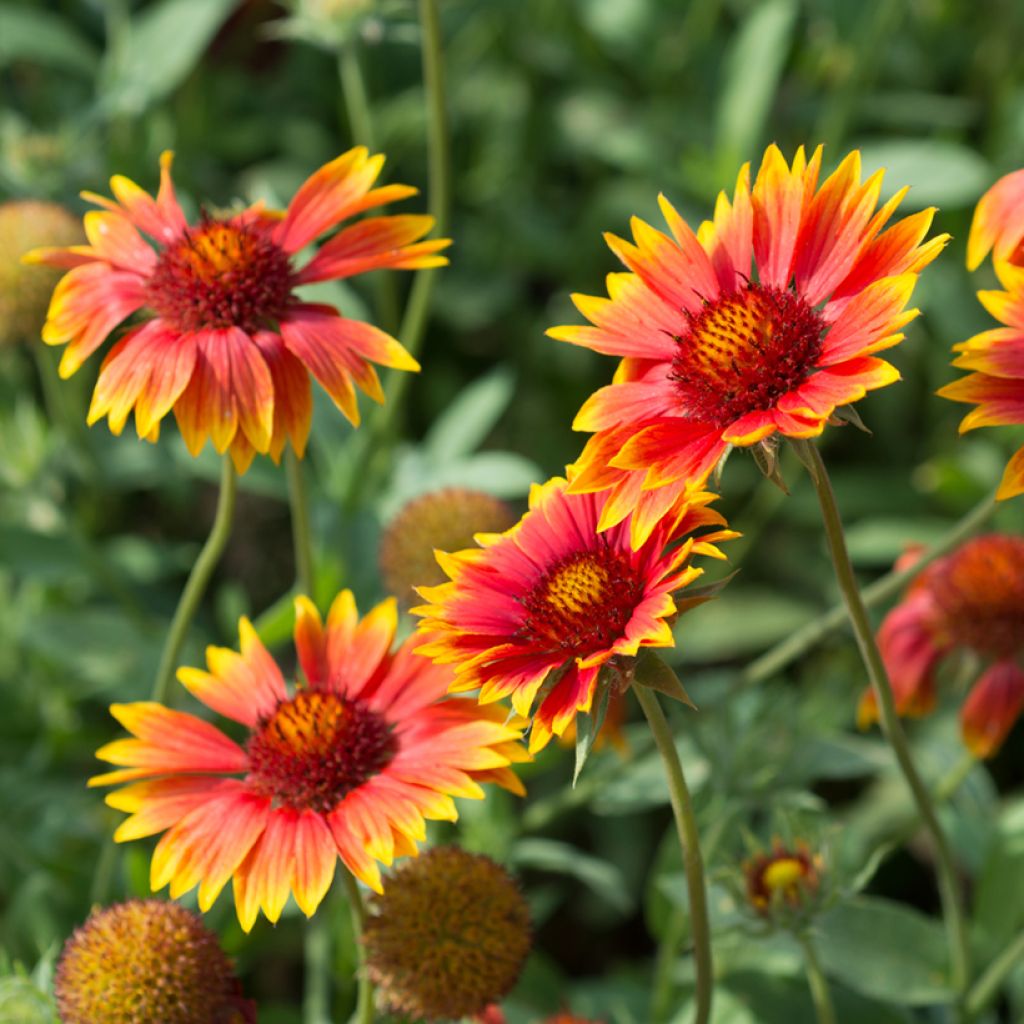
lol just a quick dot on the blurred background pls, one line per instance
(567, 117)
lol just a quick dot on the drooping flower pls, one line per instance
(147, 960)
(26, 224)
(971, 599)
(996, 358)
(765, 321)
(347, 765)
(448, 937)
(786, 878)
(443, 520)
(998, 223)
(552, 601)
(220, 335)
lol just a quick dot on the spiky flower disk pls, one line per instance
(146, 961)
(448, 937)
(445, 520)
(25, 290)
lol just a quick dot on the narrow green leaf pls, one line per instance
(588, 726)
(473, 414)
(655, 673)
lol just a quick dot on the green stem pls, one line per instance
(689, 841)
(949, 890)
(947, 786)
(987, 987)
(316, 996)
(198, 579)
(364, 1004)
(302, 540)
(786, 652)
(818, 984)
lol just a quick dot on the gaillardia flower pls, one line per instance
(348, 765)
(783, 878)
(998, 223)
(972, 598)
(764, 321)
(147, 960)
(219, 334)
(552, 600)
(996, 357)
(448, 937)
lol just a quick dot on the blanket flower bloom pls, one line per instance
(221, 337)
(789, 876)
(552, 600)
(765, 321)
(972, 598)
(996, 358)
(998, 224)
(348, 765)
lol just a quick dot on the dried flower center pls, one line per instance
(583, 603)
(744, 351)
(221, 275)
(317, 747)
(980, 594)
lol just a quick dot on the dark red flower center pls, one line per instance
(317, 747)
(583, 603)
(980, 593)
(220, 274)
(744, 351)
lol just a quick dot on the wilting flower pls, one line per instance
(552, 600)
(783, 878)
(348, 765)
(147, 960)
(222, 338)
(24, 291)
(973, 599)
(443, 520)
(448, 937)
(999, 223)
(764, 321)
(996, 356)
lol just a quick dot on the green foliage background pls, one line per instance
(568, 116)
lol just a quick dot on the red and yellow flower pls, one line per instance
(998, 224)
(972, 598)
(219, 334)
(996, 358)
(348, 765)
(785, 877)
(764, 321)
(551, 601)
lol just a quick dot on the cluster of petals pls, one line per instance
(350, 764)
(543, 607)
(218, 333)
(995, 385)
(764, 321)
(971, 599)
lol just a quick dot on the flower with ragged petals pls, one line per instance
(350, 764)
(219, 333)
(786, 878)
(998, 224)
(448, 936)
(553, 600)
(147, 960)
(764, 322)
(996, 358)
(970, 599)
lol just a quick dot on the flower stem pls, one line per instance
(949, 890)
(817, 982)
(302, 540)
(689, 841)
(987, 987)
(316, 951)
(364, 1005)
(807, 636)
(198, 579)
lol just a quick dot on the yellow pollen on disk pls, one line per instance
(214, 250)
(578, 587)
(309, 724)
(783, 873)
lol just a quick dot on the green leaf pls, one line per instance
(41, 37)
(602, 878)
(886, 951)
(473, 414)
(940, 173)
(752, 71)
(588, 726)
(164, 43)
(655, 673)
(692, 597)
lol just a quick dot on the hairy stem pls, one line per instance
(817, 983)
(302, 538)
